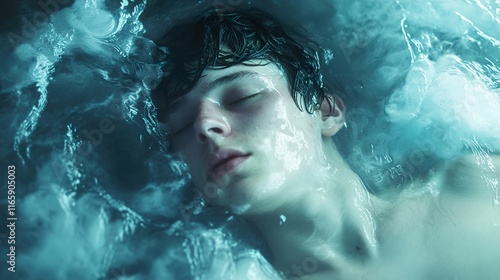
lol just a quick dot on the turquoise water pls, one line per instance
(97, 196)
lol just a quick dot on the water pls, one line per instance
(97, 196)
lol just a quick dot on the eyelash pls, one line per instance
(243, 99)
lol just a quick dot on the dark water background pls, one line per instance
(97, 196)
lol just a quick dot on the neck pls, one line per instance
(321, 228)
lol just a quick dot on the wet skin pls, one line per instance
(249, 148)
(246, 113)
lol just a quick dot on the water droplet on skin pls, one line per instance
(282, 219)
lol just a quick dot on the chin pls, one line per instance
(255, 203)
(250, 195)
(239, 199)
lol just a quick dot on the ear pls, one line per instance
(332, 115)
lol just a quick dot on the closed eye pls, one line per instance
(244, 99)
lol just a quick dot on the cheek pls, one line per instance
(289, 147)
(182, 142)
(292, 138)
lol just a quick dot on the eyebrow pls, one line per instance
(177, 104)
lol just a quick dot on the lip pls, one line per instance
(223, 161)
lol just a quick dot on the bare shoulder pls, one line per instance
(471, 176)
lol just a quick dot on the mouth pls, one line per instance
(224, 161)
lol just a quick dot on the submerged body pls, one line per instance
(333, 228)
(250, 147)
(451, 235)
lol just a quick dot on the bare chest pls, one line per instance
(431, 239)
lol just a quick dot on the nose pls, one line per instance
(211, 122)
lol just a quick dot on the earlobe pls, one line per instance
(332, 115)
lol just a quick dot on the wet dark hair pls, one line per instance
(221, 40)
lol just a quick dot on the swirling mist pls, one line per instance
(100, 197)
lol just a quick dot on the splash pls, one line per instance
(41, 73)
(431, 70)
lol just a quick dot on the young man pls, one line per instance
(251, 118)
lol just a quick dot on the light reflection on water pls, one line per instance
(101, 199)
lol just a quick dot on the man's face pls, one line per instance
(246, 143)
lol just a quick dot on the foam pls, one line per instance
(421, 81)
